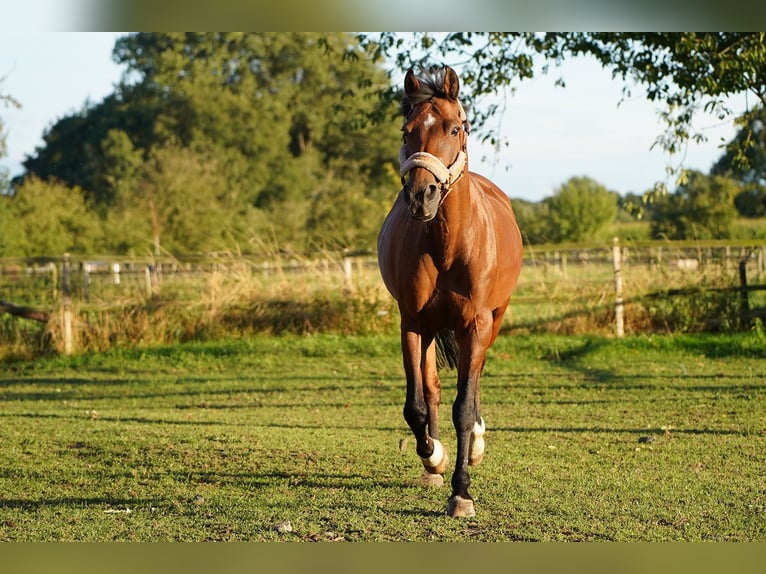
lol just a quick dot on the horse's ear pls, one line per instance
(411, 84)
(451, 83)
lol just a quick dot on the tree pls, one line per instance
(701, 208)
(687, 71)
(745, 161)
(580, 209)
(534, 221)
(751, 201)
(40, 226)
(264, 120)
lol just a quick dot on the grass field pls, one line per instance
(301, 438)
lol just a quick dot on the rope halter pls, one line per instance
(446, 176)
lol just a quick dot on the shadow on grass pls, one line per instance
(97, 389)
(613, 431)
(83, 502)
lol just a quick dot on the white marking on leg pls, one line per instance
(477, 442)
(436, 456)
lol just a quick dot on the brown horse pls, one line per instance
(450, 253)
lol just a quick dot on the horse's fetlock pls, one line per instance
(415, 415)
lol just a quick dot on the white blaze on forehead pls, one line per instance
(430, 121)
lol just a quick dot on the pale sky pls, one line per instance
(553, 133)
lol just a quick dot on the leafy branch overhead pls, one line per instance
(687, 71)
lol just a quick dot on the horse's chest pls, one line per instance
(435, 291)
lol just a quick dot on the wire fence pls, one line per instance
(619, 288)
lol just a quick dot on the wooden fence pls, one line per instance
(692, 260)
(33, 288)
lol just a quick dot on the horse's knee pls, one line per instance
(463, 414)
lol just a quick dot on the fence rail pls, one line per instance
(31, 288)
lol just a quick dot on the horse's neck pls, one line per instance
(450, 237)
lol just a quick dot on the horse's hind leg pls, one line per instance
(432, 390)
(432, 476)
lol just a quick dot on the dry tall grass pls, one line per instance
(234, 296)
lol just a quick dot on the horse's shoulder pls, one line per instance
(494, 195)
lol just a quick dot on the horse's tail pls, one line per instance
(446, 349)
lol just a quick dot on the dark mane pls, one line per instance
(431, 85)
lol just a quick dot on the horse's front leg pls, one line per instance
(469, 426)
(416, 407)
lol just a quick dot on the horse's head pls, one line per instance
(433, 156)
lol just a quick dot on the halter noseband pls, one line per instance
(447, 176)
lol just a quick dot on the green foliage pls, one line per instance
(580, 209)
(700, 311)
(745, 155)
(237, 140)
(745, 161)
(700, 208)
(687, 71)
(220, 140)
(180, 199)
(533, 221)
(751, 201)
(44, 217)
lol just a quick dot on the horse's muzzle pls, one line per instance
(424, 203)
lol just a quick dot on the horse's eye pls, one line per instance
(455, 130)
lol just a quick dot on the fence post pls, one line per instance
(619, 320)
(66, 301)
(151, 281)
(744, 302)
(86, 281)
(564, 264)
(347, 273)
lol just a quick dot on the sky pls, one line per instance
(553, 133)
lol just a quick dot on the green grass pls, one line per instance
(226, 440)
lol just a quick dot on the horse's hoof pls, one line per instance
(437, 462)
(431, 480)
(459, 506)
(477, 443)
